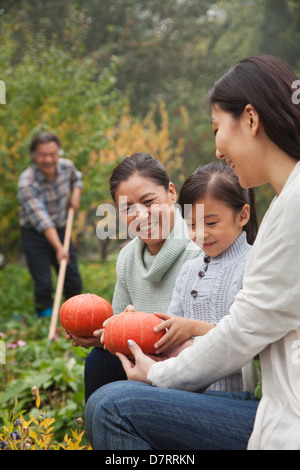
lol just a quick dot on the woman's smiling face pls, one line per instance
(235, 142)
(147, 209)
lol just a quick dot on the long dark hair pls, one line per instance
(142, 163)
(218, 180)
(265, 82)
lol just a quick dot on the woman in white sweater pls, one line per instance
(257, 127)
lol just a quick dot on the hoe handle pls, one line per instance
(61, 276)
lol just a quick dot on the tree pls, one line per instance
(158, 43)
(170, 51)
(127, 136)
(49, 90)
(280, 30)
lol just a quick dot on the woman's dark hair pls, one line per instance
(43, 138)
(143, 164)
(218, 180)
(265, 82)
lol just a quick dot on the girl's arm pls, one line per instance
(179, 329)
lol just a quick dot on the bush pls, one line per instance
(37, 433)
(55, 368)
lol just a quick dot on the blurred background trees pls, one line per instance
(116, 76)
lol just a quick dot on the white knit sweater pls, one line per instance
(210, 297)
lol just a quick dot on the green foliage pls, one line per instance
(74, 68)
(55, 368)
(38, 433)
(49, 89)
(280, 30)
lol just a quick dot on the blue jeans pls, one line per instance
(130, 415)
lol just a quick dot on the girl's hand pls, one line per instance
(179, 329)
(137, 370)
(175, 351)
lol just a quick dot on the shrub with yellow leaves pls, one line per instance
(37, 433)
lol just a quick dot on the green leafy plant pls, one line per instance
(37, 433)
(56, 368)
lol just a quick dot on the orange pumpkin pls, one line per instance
(137, 326)
(84, 313)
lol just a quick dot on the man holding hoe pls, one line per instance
(46, 190)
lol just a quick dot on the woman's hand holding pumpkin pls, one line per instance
(139, 366)
(93, 341)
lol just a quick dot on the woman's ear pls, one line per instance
(172, 192)
(244, 216)
(252, 118)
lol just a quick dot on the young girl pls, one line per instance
(206, 286)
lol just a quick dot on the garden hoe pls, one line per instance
(61, 277)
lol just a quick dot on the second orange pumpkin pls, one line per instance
(137, 326)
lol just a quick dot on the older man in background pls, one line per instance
(46, 189)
